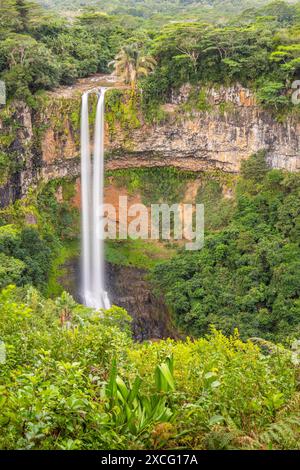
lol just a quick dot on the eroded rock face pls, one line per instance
(230, 127)
(128, 288)
(230, 130)
(17, 137)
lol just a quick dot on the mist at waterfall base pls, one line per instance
(93, 292)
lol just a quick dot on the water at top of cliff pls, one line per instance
(93, 292)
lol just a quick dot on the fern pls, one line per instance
(284, 432)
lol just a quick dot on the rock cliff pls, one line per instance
(226, 128)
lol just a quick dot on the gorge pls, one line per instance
(215, 139)
(220, 137)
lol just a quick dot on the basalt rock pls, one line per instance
(129, 288)
(227, 128)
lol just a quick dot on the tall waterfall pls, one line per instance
(92, 192)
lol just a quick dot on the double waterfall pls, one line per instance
(93, 292)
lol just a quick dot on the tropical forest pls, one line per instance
(119, 330)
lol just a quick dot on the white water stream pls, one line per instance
(92, 193)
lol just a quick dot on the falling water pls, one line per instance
(92, 191)
(85, 199)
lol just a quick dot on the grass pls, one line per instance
(68, 250)
(138, 253)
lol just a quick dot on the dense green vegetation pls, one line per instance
(71, 373)
(67, 385)
(25, 256)
(259, 48)
(35, 233)
(247, 275)
(74, 379)
(157, 10)
(156, 185)
(39, 51)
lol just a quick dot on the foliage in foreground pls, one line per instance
(61, 387)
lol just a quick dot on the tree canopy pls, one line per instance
(259, 48)
(247, 275)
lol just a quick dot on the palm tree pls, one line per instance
(129, 65)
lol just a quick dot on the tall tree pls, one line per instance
(129, 64)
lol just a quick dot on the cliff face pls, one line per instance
(129, 288)
(230, 129)
(227, 128)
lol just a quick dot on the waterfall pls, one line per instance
(85, 200)
(92, 193)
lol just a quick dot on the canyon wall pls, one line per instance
(128, 288)
(227, 127)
